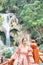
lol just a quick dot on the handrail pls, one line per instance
(41, 55)
(41, 59)
(41, 51)
(9, 62)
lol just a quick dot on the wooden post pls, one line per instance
(11, 62)
(1, 59)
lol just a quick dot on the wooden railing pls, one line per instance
(38, 54)
(10, 62)
(41, 55)
(37, 58)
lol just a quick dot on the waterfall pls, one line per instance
(7, 29)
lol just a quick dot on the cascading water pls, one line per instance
(7, 29)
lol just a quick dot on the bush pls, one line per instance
(7, 53)
(1, 19)
(34, 34)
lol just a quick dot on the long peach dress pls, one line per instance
(24, 55)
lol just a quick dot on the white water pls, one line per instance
(6, 27)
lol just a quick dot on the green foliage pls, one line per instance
(32, 15)
(7, 53)
(11, 5)
(18, 2)
(1, 20)
(3, 1)
(29, 12)
(35, 35)
(41, 47)
(1, 8)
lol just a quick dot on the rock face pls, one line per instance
(14, 23)
(10, 23)
(1, 43)
(14, 28)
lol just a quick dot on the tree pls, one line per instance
(32, 15)
(1, 20)
(31, 18)
(11, 5)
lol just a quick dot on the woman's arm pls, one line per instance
(16, 54)
(30, 55)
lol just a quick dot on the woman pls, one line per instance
(24, 54)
